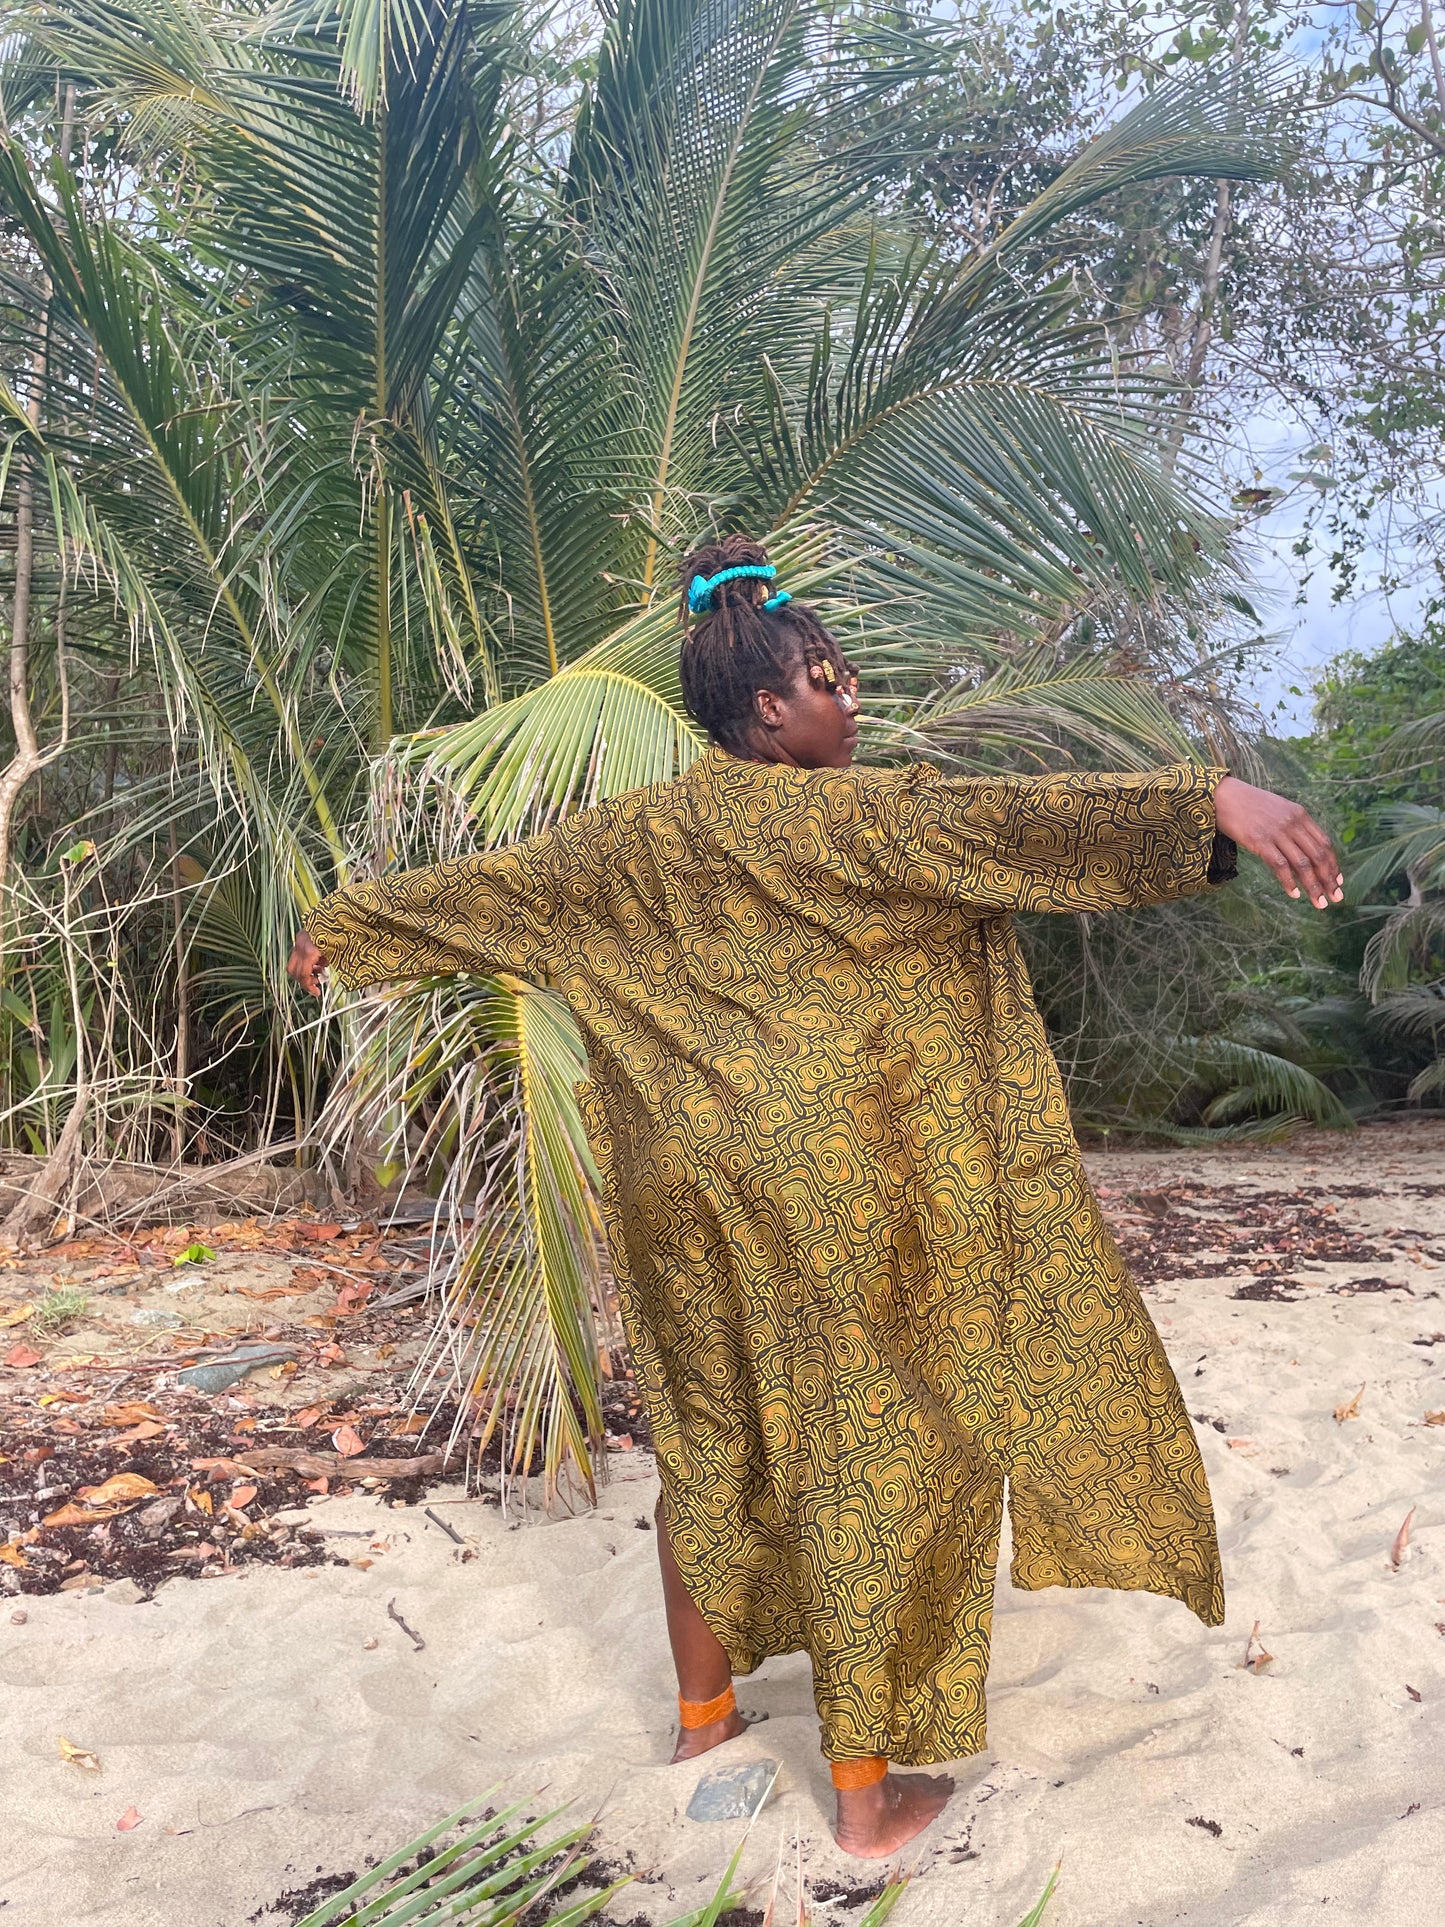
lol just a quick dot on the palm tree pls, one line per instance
(375, 413)
(1403, 972)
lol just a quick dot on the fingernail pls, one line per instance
(1294, 893)
(1323, 903)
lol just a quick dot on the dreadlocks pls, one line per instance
(735, 647)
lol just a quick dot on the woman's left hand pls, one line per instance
(305, 964)
(1285, 836)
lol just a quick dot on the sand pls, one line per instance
(261, 1741)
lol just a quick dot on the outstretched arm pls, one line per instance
(505, 910)
(1086, 841)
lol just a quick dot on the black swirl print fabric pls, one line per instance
(866, 1283)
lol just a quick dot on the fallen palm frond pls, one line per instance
(488, 1872)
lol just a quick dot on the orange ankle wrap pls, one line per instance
(695, 1713)
(848, 1774)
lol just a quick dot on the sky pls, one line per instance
(1307, 632)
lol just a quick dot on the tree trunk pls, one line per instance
(183, 1010)
(1201, 333)
(43, 1199)
(29, 758)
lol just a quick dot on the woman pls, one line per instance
(863, 1275)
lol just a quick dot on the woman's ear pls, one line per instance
(769, 708)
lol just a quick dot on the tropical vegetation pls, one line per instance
(495, 1869)
(368, 365)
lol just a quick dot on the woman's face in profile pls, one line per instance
(811, 725)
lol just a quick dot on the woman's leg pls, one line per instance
(876, 1820)
(702, 1666)
(873, 1821)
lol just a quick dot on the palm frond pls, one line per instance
(473, 1085)
(1259, 1080)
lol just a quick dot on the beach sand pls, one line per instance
(262, 1742)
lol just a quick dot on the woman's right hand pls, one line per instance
(305, 965)
(1285, 836)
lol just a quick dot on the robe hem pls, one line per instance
(1203, 1597)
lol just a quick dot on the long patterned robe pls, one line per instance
(862, 1272)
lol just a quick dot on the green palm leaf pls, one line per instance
(1261, 1080)
(492, 1067)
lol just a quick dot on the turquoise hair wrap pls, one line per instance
(700, 590)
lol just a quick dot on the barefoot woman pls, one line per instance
(863, 1275)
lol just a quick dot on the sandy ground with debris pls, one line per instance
(269, 1723)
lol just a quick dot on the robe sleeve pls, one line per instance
(1068, 842)
(506, 910)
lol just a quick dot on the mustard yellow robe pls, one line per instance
(862, 1272)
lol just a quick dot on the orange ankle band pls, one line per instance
(848, 1774)
(695, 1713)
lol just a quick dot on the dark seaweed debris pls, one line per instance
(832, 1891)
(1211, 1231)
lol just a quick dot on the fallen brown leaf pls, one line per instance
(1435, 1418)
(320, 1233)
(1402, 1541)
(1351, 1409)
(16, 1315)
(1256, 1661)
(128, 1821)
(1413, 1694)
(271, 1458)
(78, 1755)
(21, 1357)
(13, 1554)
(152, 1429)
(71, 1514)
(243, 1495)
(348, 1441)
(132, 1411)
(125, 1485)
(223, 1468)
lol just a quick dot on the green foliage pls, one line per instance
(1363, 705)
(370, 366)
(58, 1309)
(489, 1871)
(1375, 754)
(496, 1870)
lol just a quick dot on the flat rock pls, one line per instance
(732, 1792)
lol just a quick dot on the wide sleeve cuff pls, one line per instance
(1223, 859)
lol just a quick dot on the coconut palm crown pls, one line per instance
(371, 375)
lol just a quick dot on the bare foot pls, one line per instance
(702, 1739)
(875, 1821)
